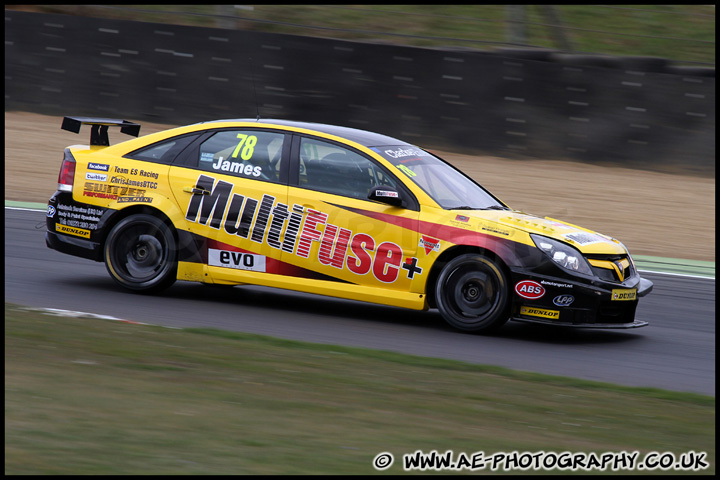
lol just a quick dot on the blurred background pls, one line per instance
(615, 85)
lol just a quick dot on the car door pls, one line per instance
(231, 184)
(340, 233)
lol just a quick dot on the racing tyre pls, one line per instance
(140, 254)
(472, 293)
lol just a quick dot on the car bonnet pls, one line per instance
(587, 241)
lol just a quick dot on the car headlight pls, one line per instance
(563, 254)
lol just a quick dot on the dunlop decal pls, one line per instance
(540, 312)
(624, 295)
(78, 232)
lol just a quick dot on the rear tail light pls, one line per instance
(67, 173)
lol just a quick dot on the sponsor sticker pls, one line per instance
(556, 284)
(78, 232)
(98, 166)
(51, 211)
(496, 230)
(529, 289)
(624, 295)
(386, 193)
(238, 260)
(429, 244)
(563, 300)
(98, 177)
(134, 199)
(583, 238)
(462, 218)
(540, 312)
(294, 230)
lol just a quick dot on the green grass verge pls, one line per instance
(683, 33)
(84, 396)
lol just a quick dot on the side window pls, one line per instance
(244, 153)
(164, 151)
(333, 169)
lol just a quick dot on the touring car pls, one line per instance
(328, 210)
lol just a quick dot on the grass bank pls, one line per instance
(85, 396)
(683, 33)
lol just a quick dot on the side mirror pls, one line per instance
(386, 194)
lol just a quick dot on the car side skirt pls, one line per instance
(394, 298)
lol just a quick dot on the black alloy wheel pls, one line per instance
(140, 254)
(472, 293)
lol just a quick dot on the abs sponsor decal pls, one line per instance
(624, 295)
(98, 166)
(78, 232)
(238, 260)
(98, 177)
(295, 230)
(429, 244)
(529, 289)
(563, 300)
(540, 312)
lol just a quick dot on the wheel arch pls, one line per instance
(448, 255)
(119, 215)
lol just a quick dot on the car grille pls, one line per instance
(611, 268)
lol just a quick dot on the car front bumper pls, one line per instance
(592, 305)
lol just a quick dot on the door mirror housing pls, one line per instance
(386, 194)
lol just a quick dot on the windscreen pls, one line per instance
(449, 187)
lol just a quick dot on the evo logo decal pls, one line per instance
(239, 260)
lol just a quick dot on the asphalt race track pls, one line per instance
(675, 352)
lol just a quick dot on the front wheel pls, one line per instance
(140, 254)
(472, 293)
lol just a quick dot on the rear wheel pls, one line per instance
(140, 253)
(472, 293)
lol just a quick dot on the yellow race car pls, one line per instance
(333, 211)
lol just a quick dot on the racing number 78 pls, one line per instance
(247, 151)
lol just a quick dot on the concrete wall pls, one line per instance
(639, 112)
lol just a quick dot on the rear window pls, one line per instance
(164, 151)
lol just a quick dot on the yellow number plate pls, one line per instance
(80, 232)
(539, 312)
(630, 294)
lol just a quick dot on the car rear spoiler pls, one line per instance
(98, 134)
